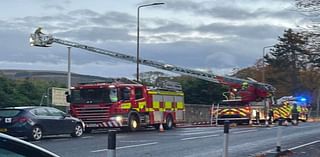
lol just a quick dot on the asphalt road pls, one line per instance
(187, 142)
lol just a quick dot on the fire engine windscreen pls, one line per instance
(93, 96)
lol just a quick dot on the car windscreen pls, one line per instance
(90, 96)
(9, 112)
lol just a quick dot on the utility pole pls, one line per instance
(318, 102)
(138, 33)
(266, 107)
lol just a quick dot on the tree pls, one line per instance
(311, 8)
(196, 91)
(287, 59)
(150, 77)
(199, 91)
(23, 92)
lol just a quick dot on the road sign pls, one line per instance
(58, 96)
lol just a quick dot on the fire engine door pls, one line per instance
(140, 101)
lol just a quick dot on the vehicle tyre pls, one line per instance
(169, 123)
(36, 133)
(134, 123)
(306, 118)
(77, 131)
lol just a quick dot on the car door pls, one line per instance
(62, 122)
(43, 119)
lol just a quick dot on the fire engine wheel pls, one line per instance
(169, 123)
(134, 123)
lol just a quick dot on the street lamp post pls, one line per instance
(69, 76)
(69, 69)
(263, 63)
(266, 107)
(138, 32)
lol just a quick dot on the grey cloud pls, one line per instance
(94, 27)
(83, 12)
(111, 31)
(56, 7)
(228, 9)
(98, 34)
(115, 18)
(243, 31)
(170, 27)
(234, 53)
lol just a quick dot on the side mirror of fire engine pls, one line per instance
(67, 96)
(68, 99)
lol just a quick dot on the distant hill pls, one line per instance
(57, 76)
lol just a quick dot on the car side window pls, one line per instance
(40, 112)
(55, 112)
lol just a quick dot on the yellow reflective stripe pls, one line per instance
(142, 104)
(166, 93)
(299, 109)
(156, 104)
(125, 106)
(168, 105)
(180, 105)
(149, 109)
(243, 114)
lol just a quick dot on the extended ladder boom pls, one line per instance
(47, 40)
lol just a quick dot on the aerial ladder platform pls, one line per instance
(43, 40)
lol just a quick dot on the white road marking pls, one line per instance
(293, 148)
(245, 131)
(124, 147)
(198, 137)
(136, 141)
(303, 127)
(201, 132)
(310, 143)
(186, 131)
(138, 145)
(87, 137)
(62, 139)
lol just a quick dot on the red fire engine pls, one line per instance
(126, 105)
(254, 91)
(245, 104)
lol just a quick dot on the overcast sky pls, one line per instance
(216, 35)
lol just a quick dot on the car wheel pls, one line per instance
(36, 133)
(78, 131)
(134, 123)
(169, 123)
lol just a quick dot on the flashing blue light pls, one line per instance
(303, 99)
